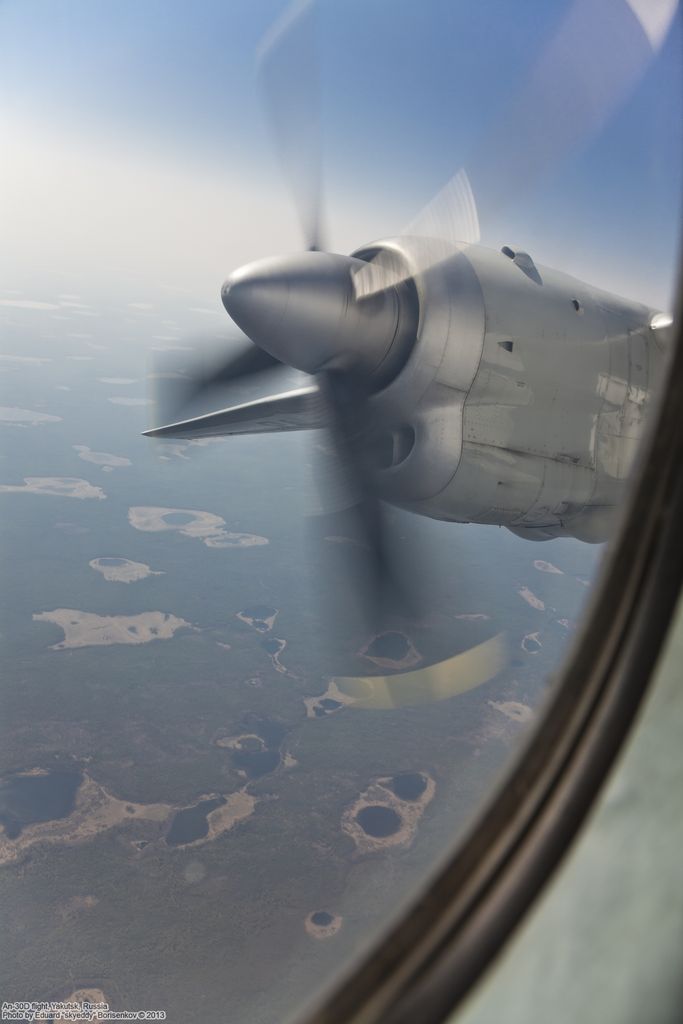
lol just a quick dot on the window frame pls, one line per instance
(453, 928)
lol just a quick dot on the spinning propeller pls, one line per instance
(351, 323)
(302, 311)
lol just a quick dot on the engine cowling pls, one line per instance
(523, 398)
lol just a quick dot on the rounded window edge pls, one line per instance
(468, 909)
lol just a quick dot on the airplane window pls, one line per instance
(326, 362)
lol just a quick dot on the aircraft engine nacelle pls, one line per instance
(523, 398)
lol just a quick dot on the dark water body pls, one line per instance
(191, 823)
(252, 757)
(256, 762)
(325, 706)
(378, 821)
(257, 615)
(271, 732)
(321, 918)
(409, 785)
(531, 645)
(250, 743)
(178, 518)
(27, 799)
(394, 646)
(112, 561)
(273, 645)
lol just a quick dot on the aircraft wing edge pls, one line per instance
(301, 409)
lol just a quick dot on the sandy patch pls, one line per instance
(205, 526)
(104, 459)
(57, 486)
(85, 629)
(237, 807)
(275, 648)
(25, 417)
(473, 617)
(316, 707)
(125, 571)
(411, 657)
(95, 811)
(261, 625)
(248, 740)
(565, 623)
(512, 709)
(531, 598)
(547, 567)
(531, 643)
(378, 794)
(322, 931)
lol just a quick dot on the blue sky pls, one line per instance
(409, 91)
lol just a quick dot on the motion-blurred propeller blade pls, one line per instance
(594, 60)
(186, 378)
(290, 77)
(364, 519)
(288, 69)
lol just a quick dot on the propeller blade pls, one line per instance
(300, 409)
(288, 70)
(183, 379)
(249, 361)
(594, 60)
(363, 521)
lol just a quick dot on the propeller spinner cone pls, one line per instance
(303, 310)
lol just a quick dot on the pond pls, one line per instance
(379, 821)
(409, 785)
(191, 823)
(394, 646)
(29, 798)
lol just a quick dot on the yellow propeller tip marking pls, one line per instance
(446, 679)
